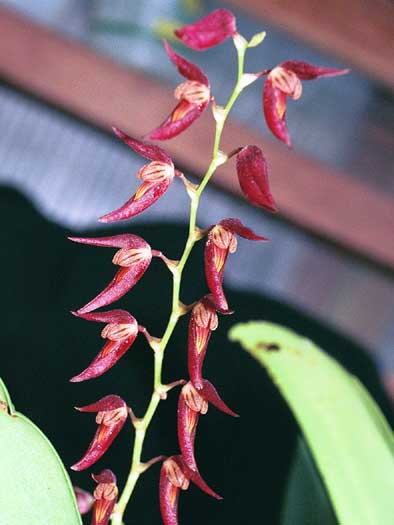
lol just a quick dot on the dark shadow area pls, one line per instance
(246, 460)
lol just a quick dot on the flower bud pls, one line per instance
(253, 177)
(84, 500)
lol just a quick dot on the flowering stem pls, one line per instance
(141, 425)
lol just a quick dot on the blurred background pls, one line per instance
(72, 68)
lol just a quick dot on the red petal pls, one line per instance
(208, 31)
(195, 477)
(105, 433)
(149, 151)
(105, 476)
(123, 281)
(306, 71)
(186, 69)
(236, 226)
(138, 203)
(111, 402)
(169, 495)
(125, 240)
(187, 426)
(209, 392)
(180, 119)
(253, 177)
(274, 105)
(106, 359)
(213, 276)
(111, 316)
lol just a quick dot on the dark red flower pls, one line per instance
(105, 495)
(285, 80)
(175, 475)
(172, 480)
(134, 257)
(157, 177)
(84, 500)
(111, 415)
(209, 31)
(193, 402)
(222, 241)
(253, 177)
(193, 96)
(203, 321)
(120, 332)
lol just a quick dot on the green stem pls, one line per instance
(143, 424)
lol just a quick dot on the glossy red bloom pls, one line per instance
(193, 402)
(193, 96)
(285, 81)
(111, 415)
(105, 495)
(120, 332)
(157, 177)
(84, 500)
(209, 31)
(222, 241)
(175, 475)
(172, 480)
(253, 177)
(203, 321)
(134, 257)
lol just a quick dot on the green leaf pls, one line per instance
(256, 39)
(305, 491)
(5, 400)
(35, 487)
(348, 436)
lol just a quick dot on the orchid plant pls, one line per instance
(134, 255)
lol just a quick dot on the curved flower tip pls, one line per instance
(285, 80)
(203, 321)
(105, 496)
(134, 257)
(210, 394)
(253, 177)
(84, 500)
(111, 416)
(120, 331)
(157, 177)
(209, 31)
(305, 71)
(222, 241)
(193, 96)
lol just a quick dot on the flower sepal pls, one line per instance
(209, 31)
(112, 413)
